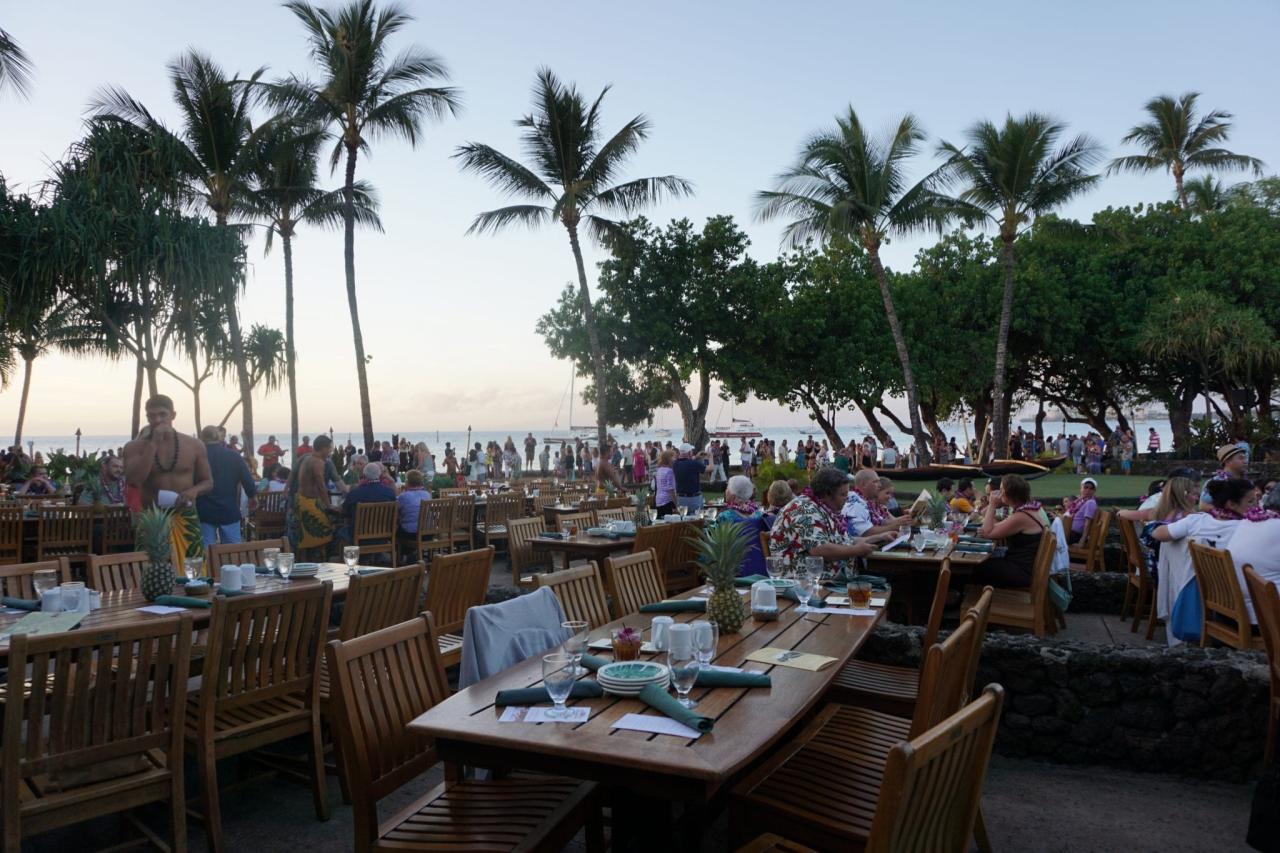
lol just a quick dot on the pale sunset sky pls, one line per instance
(731, 90)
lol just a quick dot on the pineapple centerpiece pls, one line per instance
(642, 508)
(721, 549)
(937, 512)
(151, 534)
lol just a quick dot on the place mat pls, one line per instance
(543, 715)
(838, 611)
(688, 605)
(728, 678)
(534, 695)
(784, 657)
(43, 623)
(31, 604)
(660, 700)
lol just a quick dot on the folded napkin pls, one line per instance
(263, 570)
(183, 601)
(686, 605)
(975, 547)
(230, 592)
(363, 572)
(660, 700)
(748, 580)
(603, 532)
(722, 678)
(21, 603)
(592, 662)
(534, 695)
(550, 535)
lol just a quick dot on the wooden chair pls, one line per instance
(65, 531)
(82, 741)
(268, 521)
(1226, 619)
(770, 843)
(541, 502)
(455, 584)
(580, 594)
(1140, 590)
(604, 516)
(582, 519)
(1027, 609)
(633, 581)
(888, 688)
(499, 510)
(10, 534)
(235, 553)
(375, 529)
(680, 567)
(1266, 606)
(16, 579)
(384, 680)
(117, 529)
(1089, 556)
(435, 528)
(520, 534)
(260, 685)
(463, 535)
(117, 572)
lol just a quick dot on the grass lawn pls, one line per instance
(1054, 487)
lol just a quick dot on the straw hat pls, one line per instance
(1226, 451)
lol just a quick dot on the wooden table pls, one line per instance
(582, 545)
(749, 721)
(918, 573)
(121, 608)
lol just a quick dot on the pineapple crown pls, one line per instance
(721, 550)
(151, 528)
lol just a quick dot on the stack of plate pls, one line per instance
(628, 678)
(304, 570)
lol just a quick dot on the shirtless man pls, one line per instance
(315, 527)
(171, 469)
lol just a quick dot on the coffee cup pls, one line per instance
(229, 578)
(661, 626)
(680, 639)
(51, 601)
(248, 576)
(763, 596)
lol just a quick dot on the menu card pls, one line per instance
(786, 657)
(43, 623)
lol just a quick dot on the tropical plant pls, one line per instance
(721, 549)
(1206, 194)
(286, 195)
(365, 93)
(1010, 175)
(265, 361)
(215, 150)
(1176, 140)
(570, 174)
(15, 66)
(847, 185)
(151, 531)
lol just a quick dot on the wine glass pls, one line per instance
(817, 569)
(576, 643)
(804, 585)
(684, 671)
(683, 511)
(557, 676)
(775, 566)
(351, 556)
(270, 558)
(284, 564)
(919, 542)
(44, 580)
(191, 567)
(706, 640)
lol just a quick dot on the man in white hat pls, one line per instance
(1233, 461)
(688, 471)
(1081, 510)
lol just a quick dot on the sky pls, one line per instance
(731, 90)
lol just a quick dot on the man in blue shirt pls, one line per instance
(219, 508)
(688, 473)
(370, 490)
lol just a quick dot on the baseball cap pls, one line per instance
(1089, 481)
(686, 447)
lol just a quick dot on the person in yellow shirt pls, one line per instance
(965, 497)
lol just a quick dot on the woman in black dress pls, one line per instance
(1021, 530)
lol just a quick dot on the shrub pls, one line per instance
(771, 471)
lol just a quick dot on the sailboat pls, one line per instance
(738, 427)
(577, 431)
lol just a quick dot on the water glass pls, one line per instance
(775, 566)
(684, 672)
(566, 530)
(284, 565)
(557, 676)
(72, 594)
(44, 580)
(683, 511)
(351, 556)
(270, 556)
(575, 643)
(192, 567)
(919, 542)
(804, 586)
(706, 639)
(817, 568)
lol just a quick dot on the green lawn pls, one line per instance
(1054, 487)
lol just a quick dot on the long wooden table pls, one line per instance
(915, 575)
(121, 608)
(583, 545)
(749, 721)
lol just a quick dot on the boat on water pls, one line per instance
(930, 472)
(994, 468)
(738, 428)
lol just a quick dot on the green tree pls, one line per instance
(847, 185)
(1009, 175)
(365, 92)
(16, 67)
(287, 194)
(571, 173)
(1206, 194)
(1177, 140)
(215, 151)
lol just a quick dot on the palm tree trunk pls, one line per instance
(1177, 182)
(195, 393)
(349, 260)
(22, 402)
(593, 337)
(900, 342)
(288, 337)
(1000, 400)
(137, 398)
(237, 353)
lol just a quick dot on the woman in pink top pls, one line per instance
(639, 464)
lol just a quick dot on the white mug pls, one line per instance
(763, 596)
(680, 638)
(51, 601)
(661, 625)
(248, 576)
(229, 578)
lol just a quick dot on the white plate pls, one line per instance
(632, 671)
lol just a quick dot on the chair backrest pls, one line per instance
(580, 593)
(1135, 559)
(435, 519)
(377, 600)
(265, 646)
(932, 784)
(603, 516)
(582, 519)
(501, 508)
(117, 528)
(980, 613)
(1040, 572)
(942, 678)
(520, 535)
(117, 572)
(16, 578)
(380, 682)
(1225, 616)
(64, 530)
(235, 553)
(456, 583)
(657, 538)
(10, 534)
(1266, 606)
(939, 602)
(1098, 527)
(375, 520)
(541, 502)
(72, 715)
(269, 517)
(464, 512)
(633, 581)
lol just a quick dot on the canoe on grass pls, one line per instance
(1022, 467)
(931, 472)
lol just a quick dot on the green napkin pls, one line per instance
(592, 662)
(720, 678)
(183, 601)
(535, 695)
(21, 603)
(363, 572)
(659, 699)
(222, 591)
(878, 584)
(748, 580)
(679, 606)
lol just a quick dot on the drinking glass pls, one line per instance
(684, 671)
(72, 592)
(44, 580)
(683, 511)
(860, 594)
(284, 564)
(775, 566)
(192, 567)
(351, 556)
(566, 530)
(804, 586)
(576, 643)
(270, 556)
(706, 639)
(557, 675)
(919, 542)
(817, 568)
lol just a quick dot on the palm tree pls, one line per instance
(1176, 140)
(15, 66)
(571, 174)
(366, 92)
(286, 195)
(1206, 194)
(216, 149)
(849, 186)
(1011, 175)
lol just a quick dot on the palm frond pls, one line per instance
(505, 173)
(16, 68)
(492, 221)
(642, 192)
